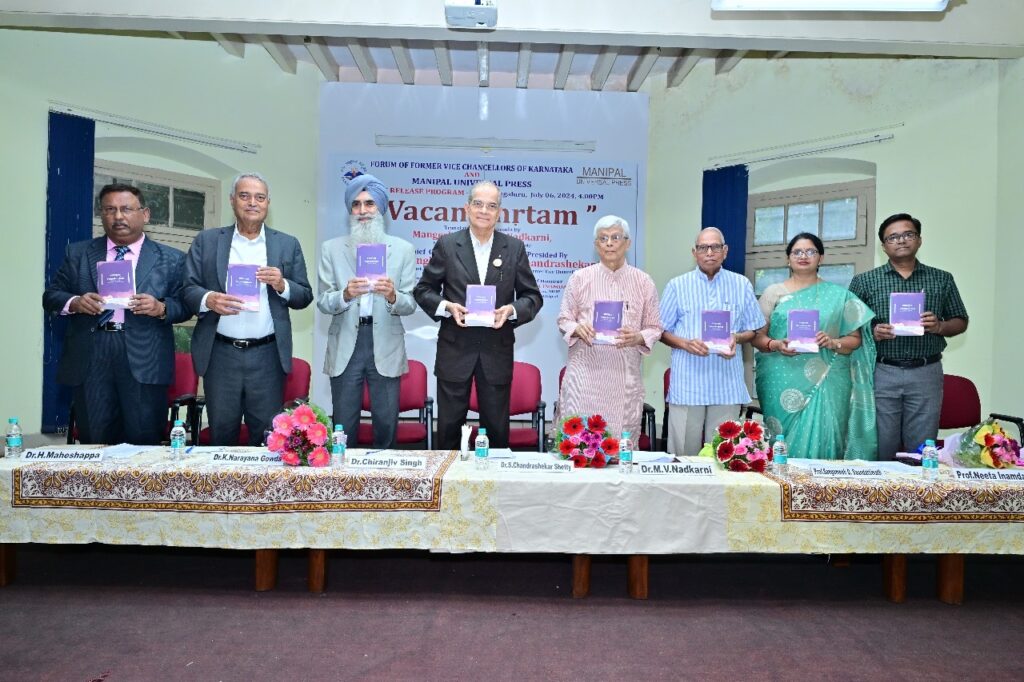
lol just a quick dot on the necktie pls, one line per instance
(115, 315)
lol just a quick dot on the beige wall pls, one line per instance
(954, 162)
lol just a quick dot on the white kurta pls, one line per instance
(602, 379)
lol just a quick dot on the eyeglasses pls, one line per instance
(356, 205)
(488, 206)
(127, 212)
(713, 248)
(246, 197)
(901, 237)
(802, 253)
(613, 238)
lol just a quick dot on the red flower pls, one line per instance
(579, 460)
(566, 447)
(610, 446)
(597, 424)
(573, 426)
(725, 451)
(753, 430)
(729, 430)
(599, 461)
(758, 464)
(738, 465)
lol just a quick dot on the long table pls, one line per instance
(452, 507)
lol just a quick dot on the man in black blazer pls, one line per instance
(477, 255)
(120, 363)
(242, 355)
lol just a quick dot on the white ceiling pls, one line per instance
(573, 44)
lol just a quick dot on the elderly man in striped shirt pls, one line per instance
(603, 375)
(706, 388)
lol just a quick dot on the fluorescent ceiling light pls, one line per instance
(485, 143)
(830, 5)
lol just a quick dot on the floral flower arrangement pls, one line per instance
(987, 445)
(586, 441)
(739, 447)
(300, 435)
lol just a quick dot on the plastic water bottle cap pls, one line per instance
(626, 434)
(929, 442)
(178, 422)
(339, 427)
(12, 420)
(483, 432)
(780, 437)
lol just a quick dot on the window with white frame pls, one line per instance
(179, 205)
(842, 215)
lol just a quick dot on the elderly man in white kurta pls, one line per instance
(603, 373)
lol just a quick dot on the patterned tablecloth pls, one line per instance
(451, 507)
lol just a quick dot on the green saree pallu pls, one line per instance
(823, 402)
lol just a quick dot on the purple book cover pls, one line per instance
(371, 261)
(607, 321)
(480, 299)
(716, 330)
(905, 313)
(115, 282)
(242, 283)
(802, 328)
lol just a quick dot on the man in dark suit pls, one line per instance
(120, 362)
(477, 255)
(243, 355)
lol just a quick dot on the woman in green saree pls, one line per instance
(823, 402)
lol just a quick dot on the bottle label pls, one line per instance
(781, 458)
(177, 441)
(482, 450)
(14, 441)
(625, 456)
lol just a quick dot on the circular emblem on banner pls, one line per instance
(352, 169)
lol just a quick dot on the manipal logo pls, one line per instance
(352, 169)
(604, 172)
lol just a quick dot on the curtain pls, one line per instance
(69, 191)
(725, 207)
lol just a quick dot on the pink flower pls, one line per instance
(739, 450)
(275, 441)
(575, 440)
(290, 458)
(756, 456)
(284, 422)
(319, 457)
(304, 416)
(317, 433)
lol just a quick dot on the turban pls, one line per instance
(370, 184)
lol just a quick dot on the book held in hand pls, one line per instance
(607, 321)
(480, 300)
(716, 330)
(802, 327)
(115, 283)
(372, 261)
(242, 283)
(905, 310)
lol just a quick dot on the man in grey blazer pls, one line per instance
(119, 362)
(366, 340)
(242, 355)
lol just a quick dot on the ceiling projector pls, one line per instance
(472, 14)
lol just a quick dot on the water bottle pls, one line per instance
(14, 441)
(339, 443)
(780, 456)
(483, 449)
(626, 454)
(930, 461)
(178, 440)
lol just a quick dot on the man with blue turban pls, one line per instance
(366, 299)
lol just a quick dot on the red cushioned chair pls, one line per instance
(180, 393)
(525, 399)
(412, 395)
(296, 388)
(647, 422)
(961, 406)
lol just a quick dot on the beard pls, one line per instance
(371, 232)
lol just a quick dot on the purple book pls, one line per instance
(242, 283)
(115, 282)
(802, 328)
(905, 313)
(716, 330)
(372, 261)
(480, 300)
(607, 321)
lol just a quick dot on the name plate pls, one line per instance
(382, 461)
(842, 471)
(685, 469)
(539, 466)
(989, 475)
(62, 455)
(225, 458)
